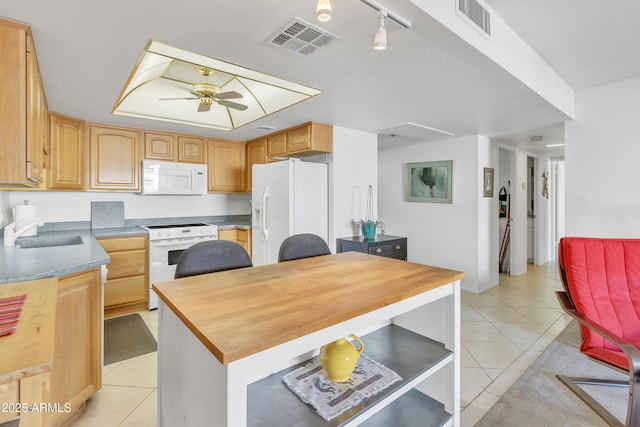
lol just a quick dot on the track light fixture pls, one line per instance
(323, 10)
(380, 40)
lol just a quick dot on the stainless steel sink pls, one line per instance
(48, 241)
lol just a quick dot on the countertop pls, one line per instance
(241, 312)
(21, 264)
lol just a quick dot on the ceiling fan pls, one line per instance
(208, 93)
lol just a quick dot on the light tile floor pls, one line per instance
(503, 331)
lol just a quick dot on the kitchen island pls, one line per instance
(223, 336)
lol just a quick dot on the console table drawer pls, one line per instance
(381, 245)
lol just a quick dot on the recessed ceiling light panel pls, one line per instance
(174, 85)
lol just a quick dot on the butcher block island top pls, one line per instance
(241, 312)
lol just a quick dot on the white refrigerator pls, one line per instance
(288, 197)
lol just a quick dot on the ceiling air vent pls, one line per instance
(300, 37)
(476, 13)
(414, 131)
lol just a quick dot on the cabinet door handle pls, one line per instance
(397, 246)
(378, 250)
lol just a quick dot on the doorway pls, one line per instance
(531, 210)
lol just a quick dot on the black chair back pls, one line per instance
(212, 256)
(304, 245)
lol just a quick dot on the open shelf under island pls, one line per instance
(226, 339)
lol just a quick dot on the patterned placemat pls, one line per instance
(330, 399)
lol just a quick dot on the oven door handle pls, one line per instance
(183, 244)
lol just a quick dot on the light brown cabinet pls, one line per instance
(301, 141)
(174, 148)
(26, 356)
(256, 154)
(277, 144)
(114, 158)
(77, 358)
(67, 153)
(226, 162)
(126, 289)
(23, 108)
(37, 120)
(238, 235)
(191, 149)
(159, 146)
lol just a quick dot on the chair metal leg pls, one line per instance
(572, 383)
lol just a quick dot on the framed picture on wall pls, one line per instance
(430, 182)
(488, 182)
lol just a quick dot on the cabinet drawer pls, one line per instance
(125, 291)
(228, 234)
(126, 264)
(391, 250)
(242, 236)
(123, 243)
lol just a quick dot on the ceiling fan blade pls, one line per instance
(203, 107)
(228, 95)
(173, 99)
(234, 105)
(197, 94)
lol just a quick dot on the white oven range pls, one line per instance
(166, 244)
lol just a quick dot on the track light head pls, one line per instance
(323, 10)
(380, 40)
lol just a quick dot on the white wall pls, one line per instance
(462, 235)
(353, 167)
(519, 198)
(602, 156)
(57, 206)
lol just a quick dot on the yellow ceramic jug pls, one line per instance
(339, 358)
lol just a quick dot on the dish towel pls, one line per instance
(331, 399)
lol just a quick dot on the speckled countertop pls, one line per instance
(19, 264)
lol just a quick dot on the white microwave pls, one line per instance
(173, 178)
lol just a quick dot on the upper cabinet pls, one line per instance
(159, 146)
(114, 158)
(23, 108)
(174, 148)
(227, 166)
(300, 141)
(67, 154)
(256, 154)
(191, 149)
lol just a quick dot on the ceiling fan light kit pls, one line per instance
(323, 10)
(165, 73)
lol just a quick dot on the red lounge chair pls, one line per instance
(601, 278)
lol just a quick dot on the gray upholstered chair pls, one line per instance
(304, 245)
(212, 256)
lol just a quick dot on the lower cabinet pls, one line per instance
(126, 289)
(77, 358)
(238, 235)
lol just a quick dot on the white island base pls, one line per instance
(418, 337)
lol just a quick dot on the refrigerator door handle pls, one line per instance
(265, 196)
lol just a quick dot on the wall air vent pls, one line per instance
(300, 37)
(414, 131)
(476, 13)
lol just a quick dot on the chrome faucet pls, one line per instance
(18, 228)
